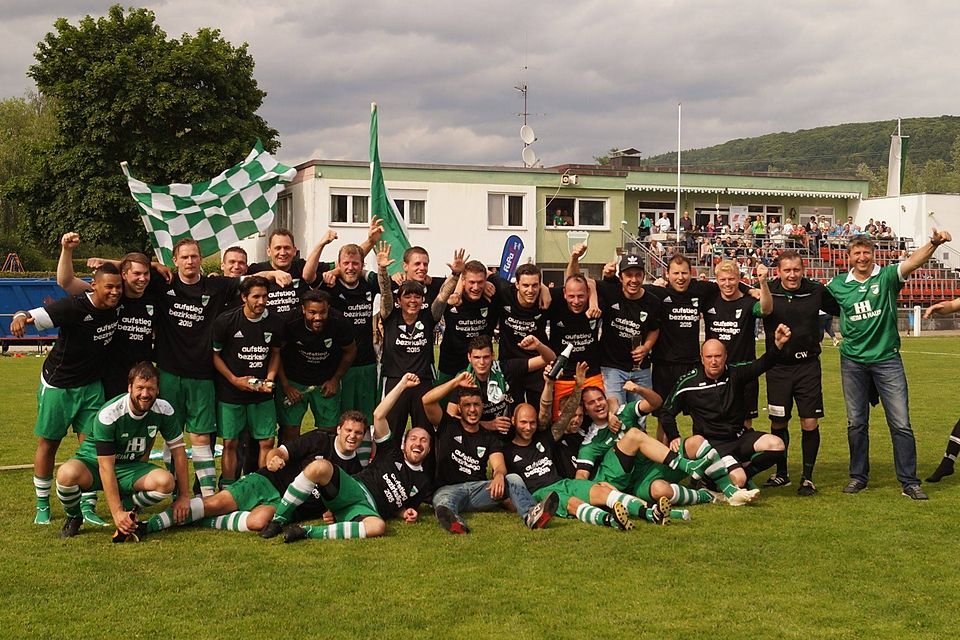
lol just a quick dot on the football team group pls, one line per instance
(553, 422)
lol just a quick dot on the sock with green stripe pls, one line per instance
(635, 506)
(234, 521)
(717, 471)
(70, 497)
(164, 520)
(680, 463)
(146, 499)
(592, 515)
(338, 531)
(205, 468)
(296, 494)
(41, 487)
(683, 495)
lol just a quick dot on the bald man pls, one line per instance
(713, 395)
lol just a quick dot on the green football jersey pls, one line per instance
(131, 435)
(868, 319)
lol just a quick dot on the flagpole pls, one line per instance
(900, 185)
(677, 214)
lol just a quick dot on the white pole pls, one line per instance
(677, 214)
(900, 186)
(916, 321)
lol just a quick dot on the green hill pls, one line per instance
(859, 148)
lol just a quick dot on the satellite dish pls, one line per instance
(529, 156)
(527, 134)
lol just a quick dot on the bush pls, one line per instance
(30, 257)
(211, 265)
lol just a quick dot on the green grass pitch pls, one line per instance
(874, 565)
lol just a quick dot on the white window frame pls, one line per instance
(606, 214)
(506, 210)
(350, 194)
(406, 196)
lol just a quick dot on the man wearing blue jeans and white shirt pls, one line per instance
(463, 451)
(870, 353)
(631, 325)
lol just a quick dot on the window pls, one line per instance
(349, 209)
(577, 212)
(284, 213)
(414, 212)
(504, 210)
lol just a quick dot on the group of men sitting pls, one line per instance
(554, 425)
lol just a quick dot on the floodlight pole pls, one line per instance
(677, 214)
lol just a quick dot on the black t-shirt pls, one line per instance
(461, 324)
(516, 322)
(462, 456)
(535, 462)
(679, 340)
(565, 452)
(732, 323)
(312, 358)
(284, 301)
(83, 345)
(133, 340)
(184, 320)
(245, 346)
(800, 310)
(356, 305)
(393, 483)
(567, 327)
(495, 401)
(623, 320)
(408, 348)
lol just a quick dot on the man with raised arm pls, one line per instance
(70, 392)
(463, 452)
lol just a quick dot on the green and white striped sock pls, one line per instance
(164, 520)
(338, 531)
(634, 505)
(592, 515)
(149, 498)
(70, 497)
(205, 468)
(233, 521)
(683, 495)
(296, 494)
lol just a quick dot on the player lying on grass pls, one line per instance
(250, 503)
(532, 455)
(464, 450)
(111, 458)
(394, 484)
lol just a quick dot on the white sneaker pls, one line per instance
(742, 497)
(718, 498)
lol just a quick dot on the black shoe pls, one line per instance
(914, 492)
(71, 527)
(293, 533)
(272, 530)
(450, 521)
(540, 514)
(777, 481)
(942, 471)
(855, 486)
(806, 488)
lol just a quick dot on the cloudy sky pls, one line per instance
(601, 74)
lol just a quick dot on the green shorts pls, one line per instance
(58, 409)
(353, 501)
(358, 390)
(127, 473)
(644, 475)
(566, 489)
(326, 411)
(253, 490)
(194, 402)
(260, 418)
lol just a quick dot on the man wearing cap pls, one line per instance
(408, 341)
(631, 325)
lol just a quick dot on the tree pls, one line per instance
(877, 179)
(25, 124)
(178, 110)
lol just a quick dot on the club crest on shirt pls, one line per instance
(296, 283)
(204, 299)
(328, 343)
(540, 447)
(418, 325)
(593, 324)
(738, 313)
(643, 316)
(875, 288)
(695, 301)
(149, 309)
(483, 312)
(369, 296)
(481, 451)
(152, 430)
(267, 335)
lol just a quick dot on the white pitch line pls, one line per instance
(930, 353)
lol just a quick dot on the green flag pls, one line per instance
(382, 205)
(218, 213)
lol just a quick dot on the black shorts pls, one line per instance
(798, 383)
(740, 450)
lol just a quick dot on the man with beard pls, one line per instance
(469, 316)
(317, 352)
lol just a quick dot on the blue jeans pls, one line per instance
(475, 496)
(613, 380)
(891, 382)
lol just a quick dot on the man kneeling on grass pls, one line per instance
(111, 459)
(250, 503)
(392, 485)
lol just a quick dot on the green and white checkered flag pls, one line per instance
(218, 213)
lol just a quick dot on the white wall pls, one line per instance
(914, 215)
(456, 216)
